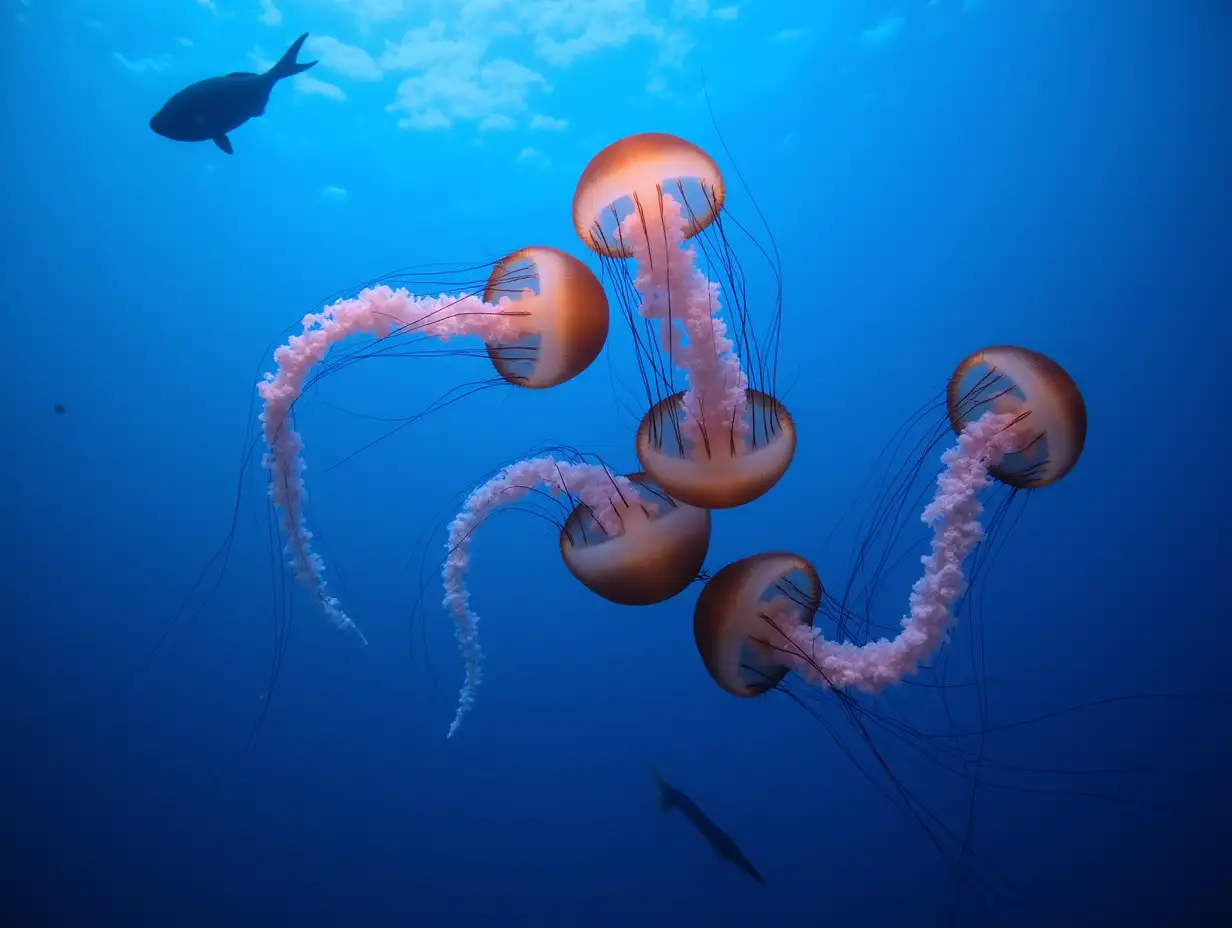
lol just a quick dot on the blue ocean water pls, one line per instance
(938, 176)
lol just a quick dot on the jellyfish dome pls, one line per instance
(657, 551)
(564, 317)
(722, 442)
(639, 168)
(748, 457)
(1035, 389)
(736, 609)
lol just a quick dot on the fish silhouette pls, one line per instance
(211, 108)
(672, 798)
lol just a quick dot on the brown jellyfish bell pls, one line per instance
(1053, 415)
(746, 464)
(642, 168)
(737, 614)
(566, 320)
(658, 551)
(726, 439)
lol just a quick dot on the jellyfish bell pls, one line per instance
(634, 172)
(564, 317)
(658, 551)
(722, 467)
(1052, 414)
(738, 614)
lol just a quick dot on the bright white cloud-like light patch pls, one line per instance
(789, 35)
(467, 61)
(598, 35)
(349, 60)
(424, 120)
(532, 156)
(144, 65)
(209, 5)
(330, 192)
(539, 121)
(186, 42)
(700, 9)
(270, 14)
(430, 47)
(884, 32)
(464, 89)
(310, 86)
(690, 9)
(674, 48)
(375, 11)
(497, 123)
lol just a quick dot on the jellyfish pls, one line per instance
(1019, 420)
(547, 332)
(725, 439)
(1023, 383)
(624, 538)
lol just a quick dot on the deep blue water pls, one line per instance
(938, 177)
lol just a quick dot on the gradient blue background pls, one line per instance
(1041, 173)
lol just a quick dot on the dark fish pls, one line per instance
(60, 410)
(211, 108)
(672, 798)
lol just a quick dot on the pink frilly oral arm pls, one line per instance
(590, 483)
(377, 311)
(954, 516)
(687, 305)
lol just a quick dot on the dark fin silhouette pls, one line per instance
(287, 65)
(241, 74)
(662, 805)
(59, 409)
(224, 143)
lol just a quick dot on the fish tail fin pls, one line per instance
(663, 802)
(287, 66)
